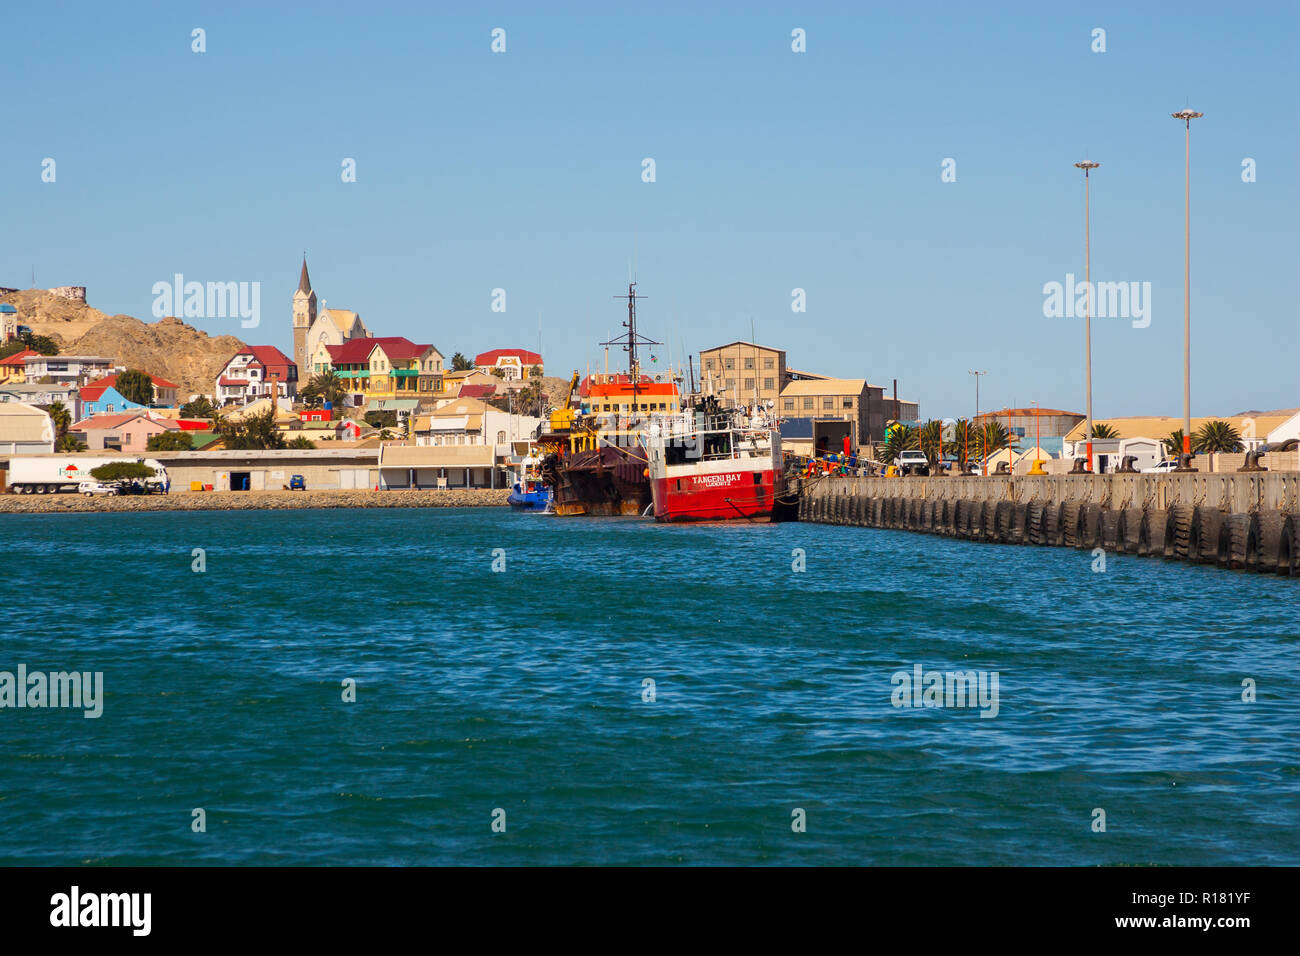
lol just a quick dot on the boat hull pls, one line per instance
(535, 501)
(719, 496)
(608, 482)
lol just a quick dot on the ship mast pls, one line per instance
(631, 339)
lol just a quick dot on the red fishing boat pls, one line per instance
(717, 467)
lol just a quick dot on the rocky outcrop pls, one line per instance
(167, 348)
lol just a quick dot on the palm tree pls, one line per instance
(60, 417)
(460, 364)
(532, 395)
(962, 446)
(201, 407)
(990, 438)
(901, 438)
(929, 440)
(1173, 444)
(1103, 430)
(1216, 436)
(325, 387)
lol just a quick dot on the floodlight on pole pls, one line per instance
(1087, 166)
(1187, 116)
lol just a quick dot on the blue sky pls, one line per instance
(774, 171)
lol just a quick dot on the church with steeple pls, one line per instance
(312, 330)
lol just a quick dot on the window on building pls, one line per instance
(749, 384)
(769, 363)
(789, 404)
(848, 403)
(769, 383)
(807, 403)
(749, 364)
(828, 403)
(731, 384)
(708, 364)
(501, 437)
(730, 363)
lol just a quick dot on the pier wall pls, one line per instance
(1244, 521)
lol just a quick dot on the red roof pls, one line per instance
(269, 357)
(525, 357)
(92, 391)
(17, 358)
(476, 391)
(115, 421)
(357, 351)
(193, 424)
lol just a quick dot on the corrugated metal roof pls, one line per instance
(827, 386)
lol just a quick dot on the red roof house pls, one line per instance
(14, 367)
(164, 392)
(250, 371)
(515, 364)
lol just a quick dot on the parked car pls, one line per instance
(913, 458)
(297, 483)
(92, 488)
(1165, 464)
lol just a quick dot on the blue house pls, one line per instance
(104, 400)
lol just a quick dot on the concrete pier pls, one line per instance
(1243, 521)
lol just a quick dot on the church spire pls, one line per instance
(304, 284)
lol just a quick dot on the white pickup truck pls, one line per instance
(1162, 466)
(59, 473)
(913, 456)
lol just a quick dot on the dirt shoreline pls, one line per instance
(255, 501)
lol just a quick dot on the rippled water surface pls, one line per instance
(523, 690)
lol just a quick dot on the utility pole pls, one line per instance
(1087, 166)
(1187, 116)
(984, 468)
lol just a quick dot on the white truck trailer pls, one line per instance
(54, 474)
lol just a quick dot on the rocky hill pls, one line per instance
(167, 348)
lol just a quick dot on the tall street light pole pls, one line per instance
(1187, 116)
(984, 468)
(1087, 166)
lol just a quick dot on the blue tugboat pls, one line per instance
(529, 493)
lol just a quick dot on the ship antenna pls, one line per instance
(631, 339)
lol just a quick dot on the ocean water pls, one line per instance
(519, 694)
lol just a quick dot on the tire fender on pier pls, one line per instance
(1155, 524)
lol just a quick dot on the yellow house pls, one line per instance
(389, 367)
(13, 370)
